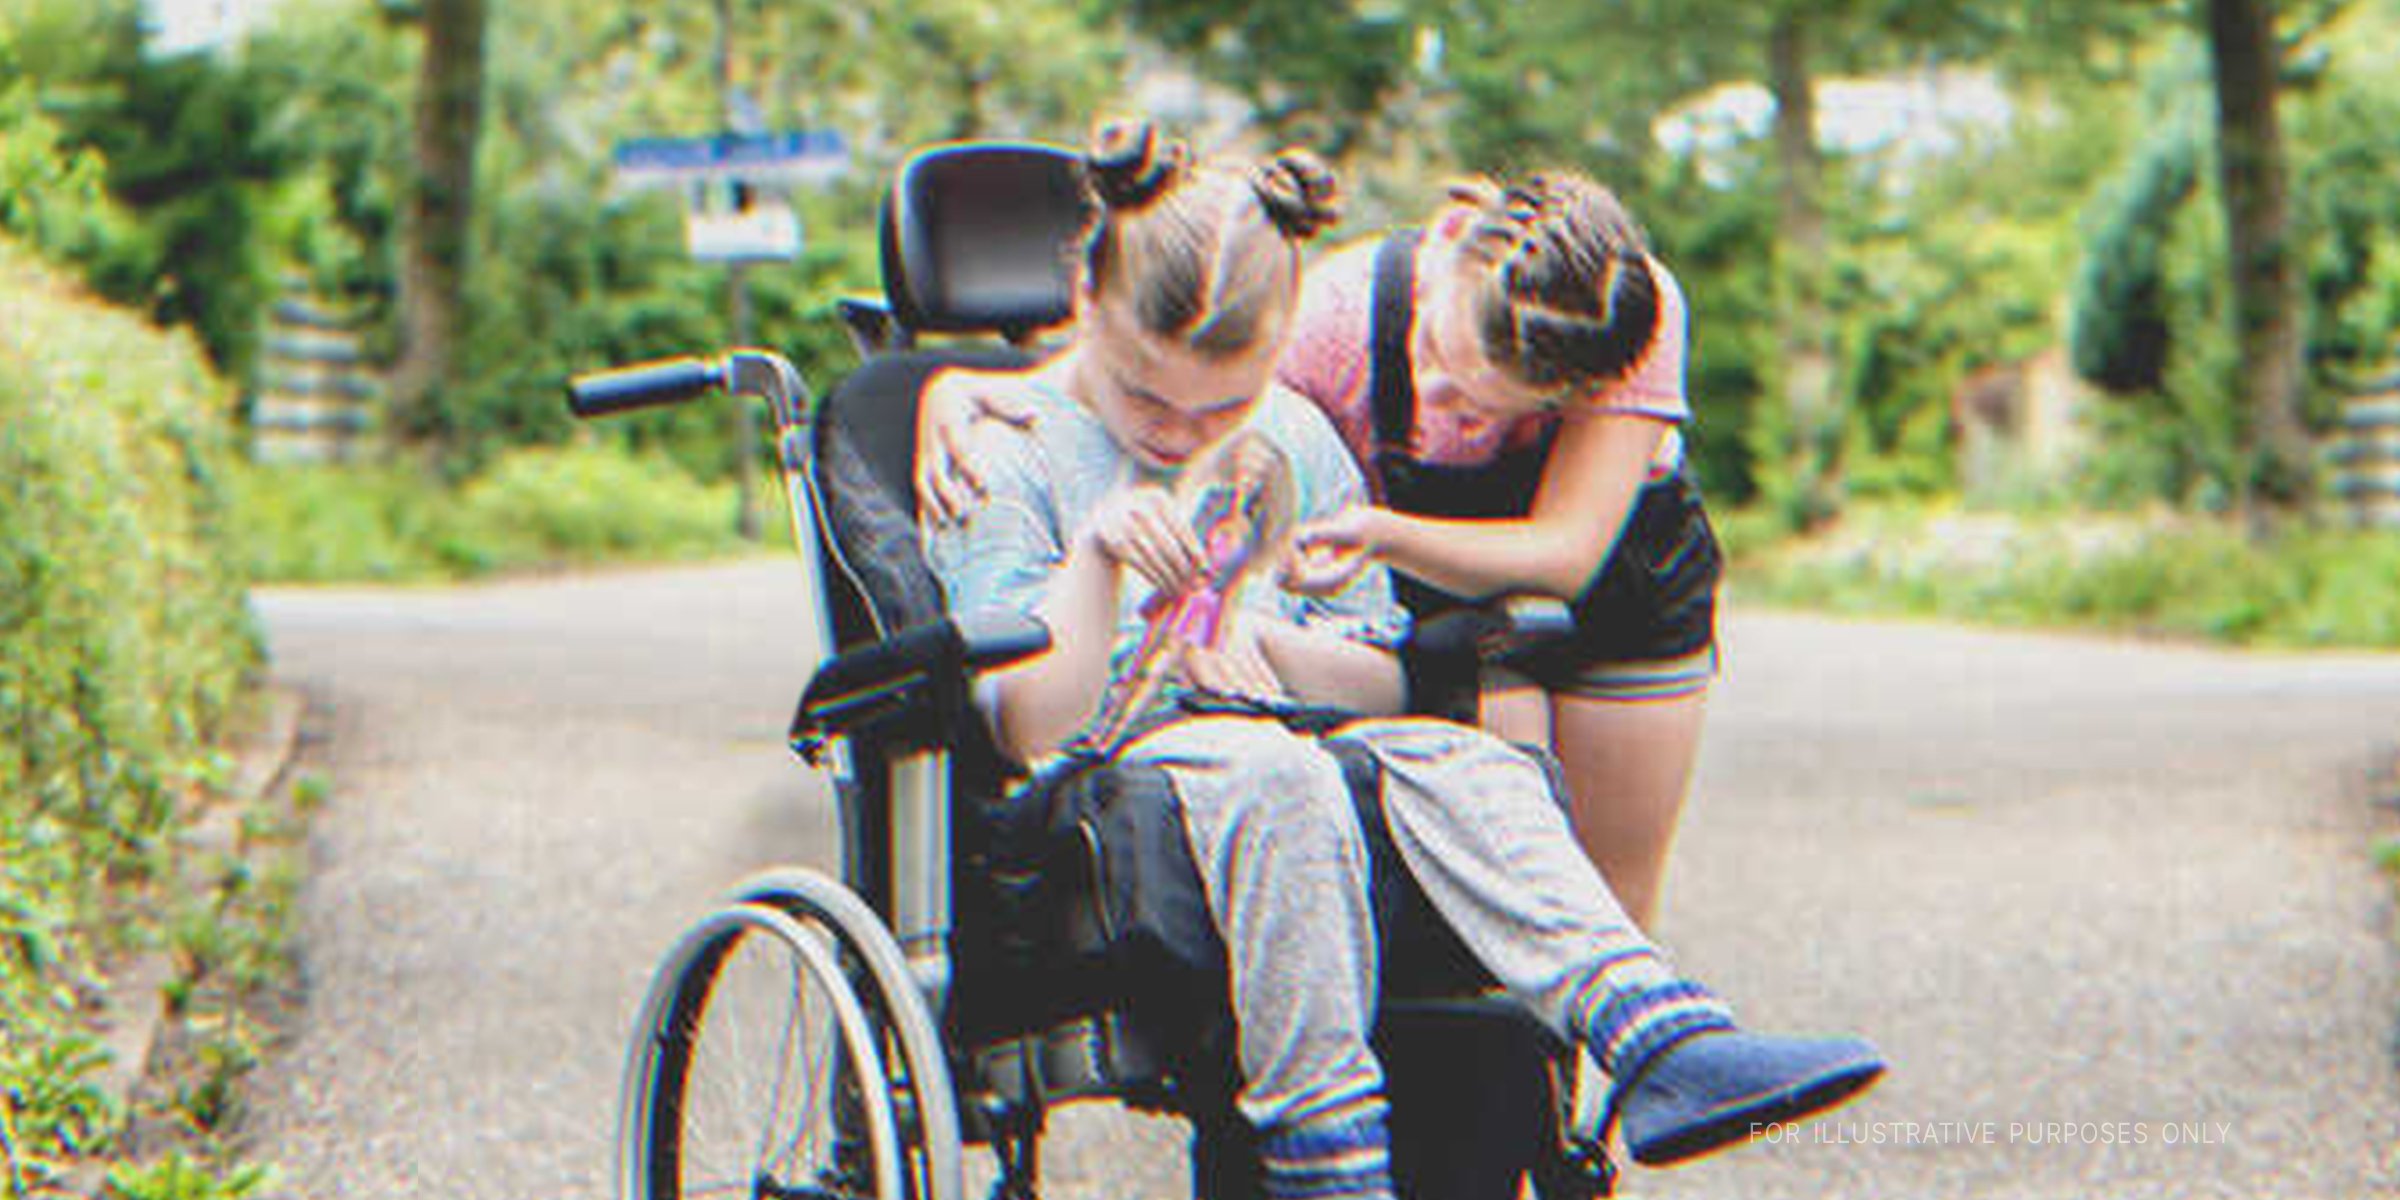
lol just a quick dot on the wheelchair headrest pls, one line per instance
(975, 237)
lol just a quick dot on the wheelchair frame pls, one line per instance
(905, 969)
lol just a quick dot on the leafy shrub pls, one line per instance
(51, 194)
(315, 524)
(124, 636)
(591, 502)
(2121, 327)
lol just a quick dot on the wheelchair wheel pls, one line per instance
(756, 1072)
(915, 1062)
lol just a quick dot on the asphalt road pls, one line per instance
(2108, 906)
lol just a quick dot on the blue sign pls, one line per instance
(804, 156)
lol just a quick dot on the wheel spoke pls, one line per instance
(785, 1042)
(807, 1054)
(767, 1076)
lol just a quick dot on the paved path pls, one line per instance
(2079, 890)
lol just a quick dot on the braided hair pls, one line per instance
(1565, 298)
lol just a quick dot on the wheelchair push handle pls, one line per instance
(644, 385)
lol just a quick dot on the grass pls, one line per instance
(2156, 573)
(182, 1177)
(228, 933)
(536, 508)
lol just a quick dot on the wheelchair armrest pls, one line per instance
(872, 328)
(914, 678)
(1528, 621)
(1444, 655)
(1495, 628)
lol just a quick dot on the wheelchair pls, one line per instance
(995, 948)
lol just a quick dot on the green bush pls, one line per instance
(319, 524)
(590, 503)
(51, 194)
(2121, 329)
(124, 637)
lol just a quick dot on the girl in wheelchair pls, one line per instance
(1187, 278)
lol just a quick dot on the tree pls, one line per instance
(2246, 61)
(1315, 73)
(186, 150)
(2120, 334)
(2230, 88)
(1811, 415)
(1806, 484)
(437, 218)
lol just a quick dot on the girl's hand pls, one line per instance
(954, 403)
(1238, 666)
(1328, 554)
(1144, 528)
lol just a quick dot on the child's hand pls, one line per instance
(1328, 554)
(1144, 528)
(954, 403)
(1237, 666)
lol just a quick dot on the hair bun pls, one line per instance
(1300, 193)
(1130, 164)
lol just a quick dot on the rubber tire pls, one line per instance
(936, 1171)
(657, 1067)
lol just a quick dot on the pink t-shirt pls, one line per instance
(1332, 350)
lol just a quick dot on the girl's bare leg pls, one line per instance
(1628, 766)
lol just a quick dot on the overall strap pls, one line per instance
(1391, 382)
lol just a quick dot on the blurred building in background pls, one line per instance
(1901, 119)
(185, 26)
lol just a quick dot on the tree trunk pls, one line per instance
(2266, 297)
(437, 215)
(1808, 480)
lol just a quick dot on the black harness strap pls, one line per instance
(1442, 680)
(1391, 381)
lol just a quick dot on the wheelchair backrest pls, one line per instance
(975, 238)
(876, 582)
(866, 430)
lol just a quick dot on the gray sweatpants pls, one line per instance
(1284, 866)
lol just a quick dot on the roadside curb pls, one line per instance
(260, 763)
(135, 1011)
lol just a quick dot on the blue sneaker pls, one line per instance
(1720, 1086)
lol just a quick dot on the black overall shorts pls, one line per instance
(1655, 599)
